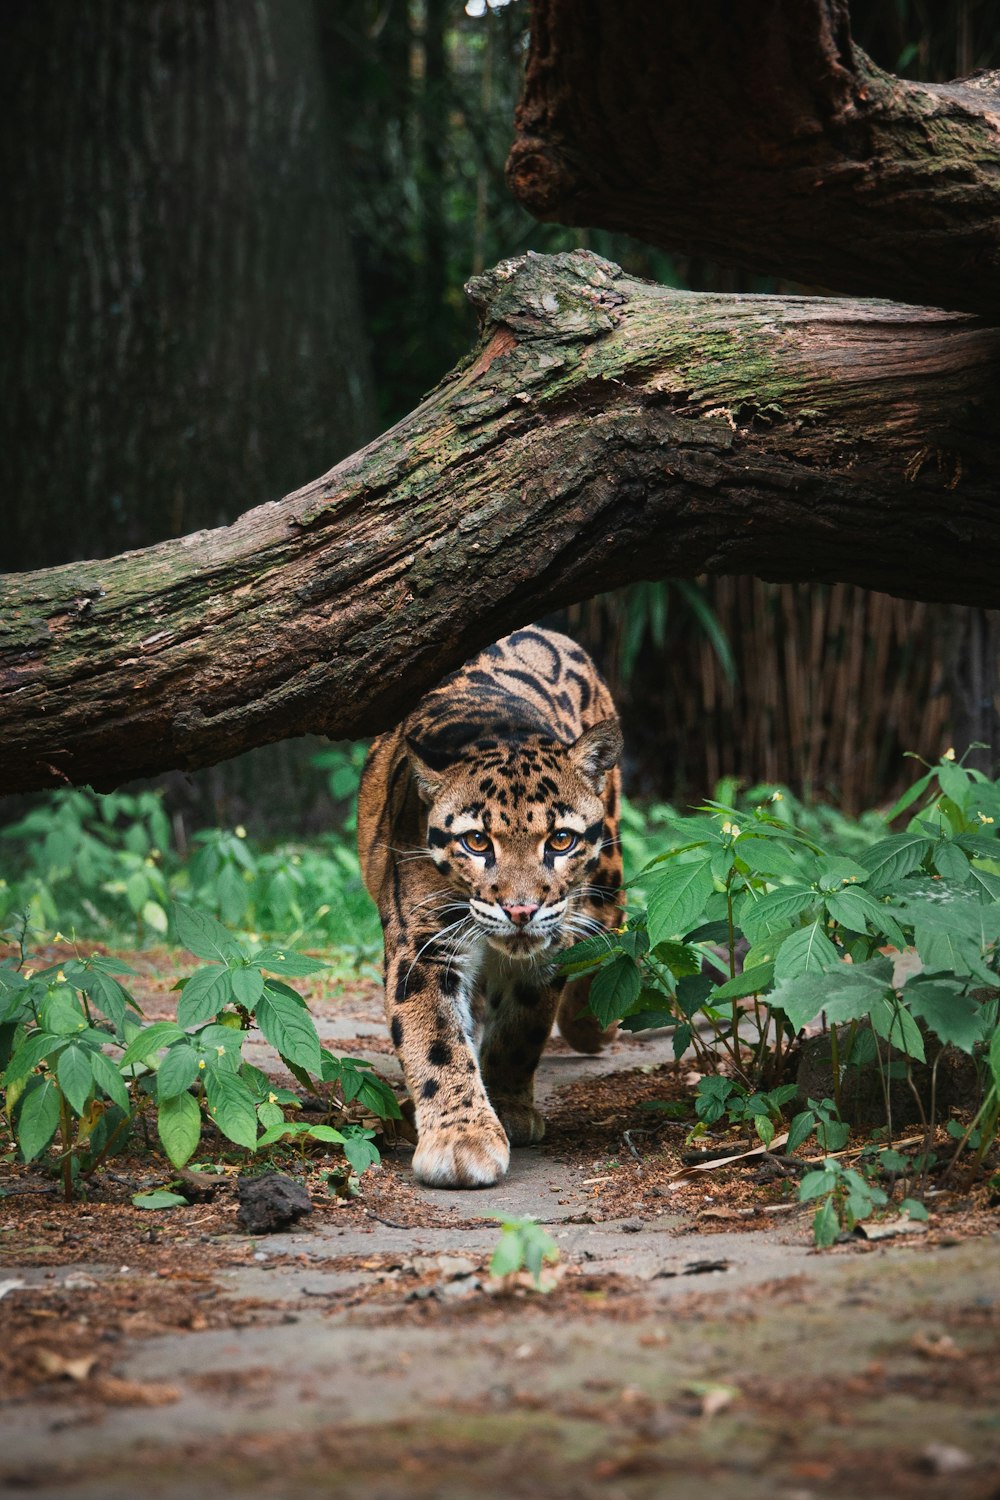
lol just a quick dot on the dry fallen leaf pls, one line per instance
(936, 1346)
(57, 1365)
(711, 1398)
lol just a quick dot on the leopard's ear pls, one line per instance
(596, 751)
(427, 780)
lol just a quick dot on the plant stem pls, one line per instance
(835, 1066)
(66, 1130)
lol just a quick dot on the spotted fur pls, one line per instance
(487, 827)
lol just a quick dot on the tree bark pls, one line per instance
(183, 335)
(760, 135)
(604, 429)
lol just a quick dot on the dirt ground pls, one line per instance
(692, 1340)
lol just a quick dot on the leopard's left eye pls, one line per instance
(562, 841)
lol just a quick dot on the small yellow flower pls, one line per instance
(777, 797)
(983, 818)
(272, 1098)
(220, 1051)
(28, 973)
(201, 1064)
(731, 828)
(60, 977)
(57, 937)
(240, 831)
(949, 754)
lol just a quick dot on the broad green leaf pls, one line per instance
(800, 1130)
(287, 961)
(204, 995)
(985, 884)
(508, 1256)
(825, 1225)
(614, 989)
(108, 1078)
(146, 1043)
(765, 916)
(178, 1124)
(37, 1047)
(247, 985)
(955, 781)
(953, 1016)
(76, 1075)
(943, 951)
(836, 871)
(650, 1020)
(376, 1095)
(269, 1115)
(325, 1133)
(361, 1153)
(676, 901)
(751, 982)
(204, 936)
(893, 1022)
(289, 1028)
(806, 951)
(893, 858)
(844, 993)
(765, 856)
(107, 964)
(950, 862)
(177, 1071)
(110, 997)
(231, 1106)
(160, 1199)
(38, 1120)
(155, 917)
(680, 958)
(61, 1012)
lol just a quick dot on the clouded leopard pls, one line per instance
(487, 828)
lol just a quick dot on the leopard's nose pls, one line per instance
(520, 915)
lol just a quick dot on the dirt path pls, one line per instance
(694, 1343)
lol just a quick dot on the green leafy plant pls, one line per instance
(107, 865)
(746, 928)
(845, 1198)
(79, 1065)
(717, 1098)
(523, 1245)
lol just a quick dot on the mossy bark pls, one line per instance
(759, 134)
(603, 430)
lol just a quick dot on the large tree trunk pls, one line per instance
(605, 429)
(183, 337)
(759, 134)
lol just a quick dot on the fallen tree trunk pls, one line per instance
(760, 135)
(603, 430)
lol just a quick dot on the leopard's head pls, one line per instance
(516, 828)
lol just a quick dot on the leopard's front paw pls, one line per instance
(465, 1156)
(523, 1123)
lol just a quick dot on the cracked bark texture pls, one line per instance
(603, 429)
(759, 134)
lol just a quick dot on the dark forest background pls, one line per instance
(236, 236)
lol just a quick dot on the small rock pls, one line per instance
(942, 1458)
(632, 1226)
(270, 1202)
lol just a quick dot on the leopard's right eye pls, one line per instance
(475, 841)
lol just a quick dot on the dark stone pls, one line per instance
(270, 1202)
